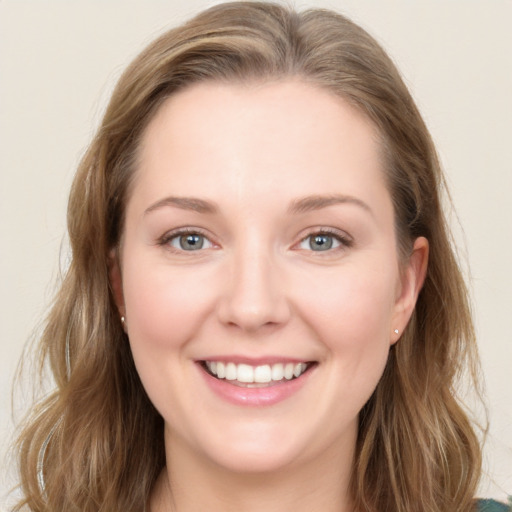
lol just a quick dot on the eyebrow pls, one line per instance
(317, 202)
(185, 203)
(302, 205)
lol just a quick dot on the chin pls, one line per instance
(255, 460)
(250, 448)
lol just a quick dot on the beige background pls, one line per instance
(59, 60)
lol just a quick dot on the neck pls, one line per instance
(189, 483)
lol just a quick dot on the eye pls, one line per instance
(323, 241)
(188, 241)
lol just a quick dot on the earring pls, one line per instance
(123, 322)
(396, 331)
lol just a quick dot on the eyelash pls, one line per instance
(343, 240)
(166, 239)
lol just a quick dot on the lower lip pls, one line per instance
(255, 396)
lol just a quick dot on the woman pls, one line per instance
(263, 302)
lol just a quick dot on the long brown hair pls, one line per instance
(96, 443)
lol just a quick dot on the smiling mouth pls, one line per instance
(265, 375)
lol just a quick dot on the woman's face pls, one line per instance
(260, 278)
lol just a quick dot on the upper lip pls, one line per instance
(254, 361)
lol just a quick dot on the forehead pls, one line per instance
(247, 139)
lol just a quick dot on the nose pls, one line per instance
(254, 295)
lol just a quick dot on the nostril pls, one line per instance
(251, 318)
(253, 295)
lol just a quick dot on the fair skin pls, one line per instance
(289, 257)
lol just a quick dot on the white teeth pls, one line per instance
(244, 373)
(231, 371)
(262, 374)
(277, 371)
(299, 369)
(221, 370)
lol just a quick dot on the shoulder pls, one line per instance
(492, 506)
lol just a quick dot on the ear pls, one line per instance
(116, 281)
(412, 279)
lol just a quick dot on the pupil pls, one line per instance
(192, 242)
(321, 242)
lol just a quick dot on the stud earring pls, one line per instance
(123, 320)
(396, 331)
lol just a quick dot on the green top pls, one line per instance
(493, 506)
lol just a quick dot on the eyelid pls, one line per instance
(166, 238)
(344, 239)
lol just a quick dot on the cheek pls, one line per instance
(164, 307)
(351, 302)
(163, 304)
(353, 320)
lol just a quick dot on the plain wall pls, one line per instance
(58, 63)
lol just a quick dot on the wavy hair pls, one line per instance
(96, 442)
